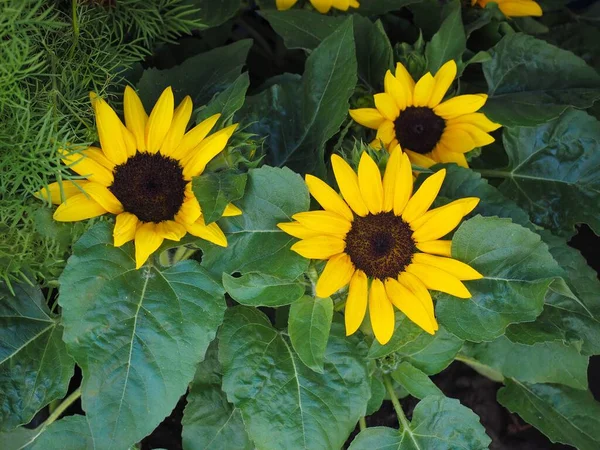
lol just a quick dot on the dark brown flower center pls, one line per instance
(419, 129)
(381, 245)
(151, 186)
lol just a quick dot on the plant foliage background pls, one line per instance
(230, 327)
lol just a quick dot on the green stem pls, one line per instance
(402, 420)
(313, 276)
(62, 407)
(490, 173)
(362, 423)
(75, 21)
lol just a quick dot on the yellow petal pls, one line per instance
(468, 204)
(443, 80)
(442, 222)
(231, 211)
(169, 229)
(367, 117)
(110, 132)
(479, 137)
(439, 247)
(391, 178)
(337, 273)
(181, 118)
(342, 5)
(194, 137)
(53, 193)
(104, 197)
(477, 119)
(438, 280)
(282, 5)
(189, 212)
(129, 138)
(97, 155)
(147, 241)
(419, 160)
(298, 230)
(327, 197)
(324, 222)
(135, 117)
(409, 304)
(416, 286)
(78, 207)
(348, 182)
(442, 154)
(457, 140)
(386, 132)
(159, 121)
(386, 106)
(404, 77)
(87, 167)
(207, 150)
(211, 232)
(369, 182)
(323, 6)
(424, 197)
(404, 185)
(398, 91)
(381, 312)
(320, 247)
(423, 90)
(520, 9)
(456, 268)
(356, 303)
(457, 106)
(125, 228)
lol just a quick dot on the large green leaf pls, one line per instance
(564, 414)
(438, 423)
(136, 334)
(374, 54)
(285, 404)
(554, 171)
(308, 326)
(415, 381)
(227, 102)
(258, 252)
(34, 365)
(569, 318)
(531, 81)
(449, 42)
(209, 420)
(544, 362)
(430, 354)
(200, 76)
(69, 433)
(298, 117)
(214, 13)
(215, 190)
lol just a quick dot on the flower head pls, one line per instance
(514, 8)
(428, 130)
(382, 241)
(323, 6)
(142, 173)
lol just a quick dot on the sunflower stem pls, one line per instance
(313, 276)
(362, 423)
(402, 420)
(62, 407)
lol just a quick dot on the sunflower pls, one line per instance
(428, 130)
(323, 6)
(513, 8)
(142, 173)
(382, 235)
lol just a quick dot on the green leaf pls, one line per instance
(309, 324)
(569, 318)
(373, 7)
(284, 404)
(374, 54)
(215, 190)
(544, 362)
(527, 85)
(227, 102)
(69, 433)
(136, 334)
(215, 13)
(257, 250)
(517, 270)
(377, 395)
(438, 423)
(430, 354)
(554, 171)
(564, 414)
(209, 420)
(449, 42)
(200, 76)
(34, 365)
(299, 117)
(415, 381)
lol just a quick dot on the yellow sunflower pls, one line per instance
(142, 173)
(323, 6)
(382, 235)
(428, 130)
(514, 8)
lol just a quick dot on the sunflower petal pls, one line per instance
(206, 151)
(159, 121)
(520, 9)
(468, 205)
(283, 5)
(181, 118)
(420, 160)
(386, 106)
(478, 119)
(135, 117)
(404, 185)
(356, 303)
(125, 228)
(298, 230)
(438, 280)
(369, 183)
(386, 132)
(110, 132)
(324, 222)
(320, 247)
(404, 77)
(169, 229)
(97, 155)
(424, 197)
(53, 193)
(479, 137)
(367, 117)
(442, 154)
(194, 137)
(423, 90)
(398, 91)
(327, 197)
(443, 80)
(438, 247)
(457, 140)
(147, 241)
(348, 182)
(231, 211)
(323, 6)
(211, 232)
(78, 207)
(462, 104)
(381, 312)
(454, 267)
(416, 286)
(189, 212)
(104, 197)
(391, 178)
(409, 304)
(88, 168)
(337, 274)
(443, 221)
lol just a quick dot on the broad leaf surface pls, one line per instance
(215, 190)
(227, 102)
(449, 42)
(34, 365)
(214, 13)
(136, 334)
(415, 381)
(285, 404)
(374, 54)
